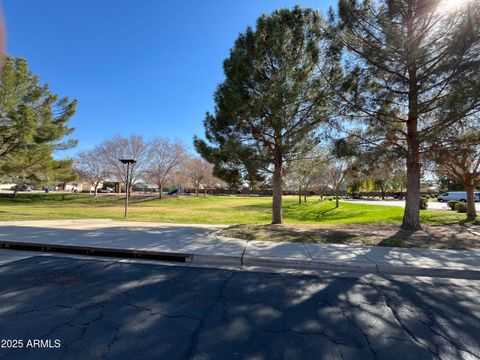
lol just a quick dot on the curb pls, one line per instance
(429, 272)
(199, 259)
(366, 268)
(242, 261)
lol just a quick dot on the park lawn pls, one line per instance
(205, 210)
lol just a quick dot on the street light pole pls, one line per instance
(127, 183)
(127, 190)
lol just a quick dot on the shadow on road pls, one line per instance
(123, 311)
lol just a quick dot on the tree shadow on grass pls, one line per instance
(286, 233)
(399, 239)
(321, 213)
(339, 237)
(302, 214)
(256, 207)
(467, 222)
(428, 237)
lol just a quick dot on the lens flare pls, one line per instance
(449, 6)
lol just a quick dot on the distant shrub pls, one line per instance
(423, 203)
(461, 207)
(452, 204)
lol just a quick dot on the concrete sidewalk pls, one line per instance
(432, 204)
(201, 245)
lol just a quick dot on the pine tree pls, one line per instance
(30, 114)
(37, 166)
(410, 71)
(271, 103)
(457, 156)
(33, 123)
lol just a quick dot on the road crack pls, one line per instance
(194, 337)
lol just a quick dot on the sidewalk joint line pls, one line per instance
(366, 257)
(306, 248)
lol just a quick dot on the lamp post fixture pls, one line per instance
(127, 183)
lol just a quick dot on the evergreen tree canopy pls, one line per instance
(33, 122)
(410, 70)
(457, 156)
(37, 166)
(269, 108)
(30, 114)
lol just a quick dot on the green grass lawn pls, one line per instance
(205, 210)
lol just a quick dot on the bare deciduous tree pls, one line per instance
(198, 171)
(211, 182)
(307, 174)
(92, 167)
(133, 147)
(383, 173)
(336, 174)
(166, 156)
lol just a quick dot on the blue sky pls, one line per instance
(136, 66)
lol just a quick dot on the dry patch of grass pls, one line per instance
(431, 236)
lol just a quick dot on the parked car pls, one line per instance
(22, 188)
(106, 190)
(457, 195)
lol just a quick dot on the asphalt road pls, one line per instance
(111, 310)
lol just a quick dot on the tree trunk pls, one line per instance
(277, 192)
(95, 191)
(196, 191)
(160, 191)
(337, 202)
(15, 191)
(411, 216)
(305, 197)
(471, 211)
(299, 197)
